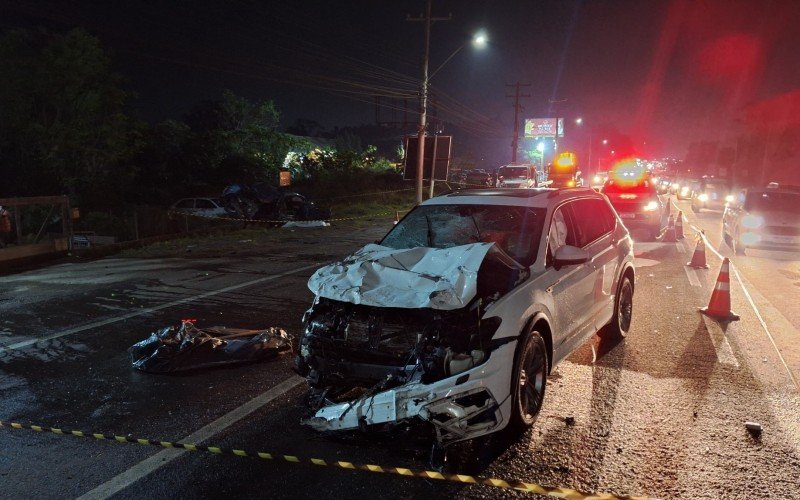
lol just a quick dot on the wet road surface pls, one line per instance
(659, 414)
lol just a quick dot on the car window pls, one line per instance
(766, 201)
(201, 203)
(590, 220)
(187, 203)
(561, 231)
(517, 230)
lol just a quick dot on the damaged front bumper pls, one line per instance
(464, 406)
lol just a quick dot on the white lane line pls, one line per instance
(694, 280)
(723, 347)
(162, 458)
(142, 312)
(752, 303)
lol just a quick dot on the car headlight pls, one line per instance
(685, 189)
(676, 186)
(702, 197)
(730, 198)
(597, 179)
(752, 221)
(651, 206)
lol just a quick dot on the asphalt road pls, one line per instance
(660, 414)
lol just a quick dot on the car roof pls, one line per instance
(536, 197)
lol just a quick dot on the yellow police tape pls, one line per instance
(399, 471)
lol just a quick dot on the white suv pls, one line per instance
(456, 318)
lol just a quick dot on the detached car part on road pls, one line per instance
(456, 318)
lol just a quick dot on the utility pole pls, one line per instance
(517, 108)
(428, 19)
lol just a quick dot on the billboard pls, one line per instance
(442, 149)
(544, 127)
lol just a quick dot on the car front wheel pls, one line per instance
(529, 381)
(623, 311)
(738, 247)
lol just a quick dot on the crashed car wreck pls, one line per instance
(403, 333)
(399, 354)
(447, 321)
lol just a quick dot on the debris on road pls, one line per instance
(174, 349)
(309, 223)
(754, 428)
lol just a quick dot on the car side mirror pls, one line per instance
(569, 255)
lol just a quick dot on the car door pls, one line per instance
(596, 224)
(570, 287)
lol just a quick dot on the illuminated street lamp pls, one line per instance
(605, 141)
(578, 121)
(478, 41)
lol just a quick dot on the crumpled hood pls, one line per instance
(438, 278)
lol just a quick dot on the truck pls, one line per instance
(564, 171)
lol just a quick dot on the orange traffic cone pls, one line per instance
(679, 226)
(669, 236)
(719, 307)
(699, 255)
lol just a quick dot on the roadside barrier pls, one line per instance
(398, 471)
(699, 256)
(719, 306)
(669, 236)
(679, 226)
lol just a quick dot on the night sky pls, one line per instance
(664, 72)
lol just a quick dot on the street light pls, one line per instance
(605, 141)
(479, 41)
(578, 121)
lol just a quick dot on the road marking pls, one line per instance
(694, 280)
(142, 312)
(723, 347)
(752, 303)
(162, 458)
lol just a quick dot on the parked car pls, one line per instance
(766, 218)
(712, 193)
(638, 204)
(476, 178)
(268, 203)
(205, 207)
(457, 316)
(517, 176)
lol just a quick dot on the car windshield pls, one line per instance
(516, 230)
(763, 201)
(513, 172)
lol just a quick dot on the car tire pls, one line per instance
(737, 246)
(620, 323)
(528, 381)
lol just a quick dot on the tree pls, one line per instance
(63, 127)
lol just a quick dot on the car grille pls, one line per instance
(374, 332)
(782, 230)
